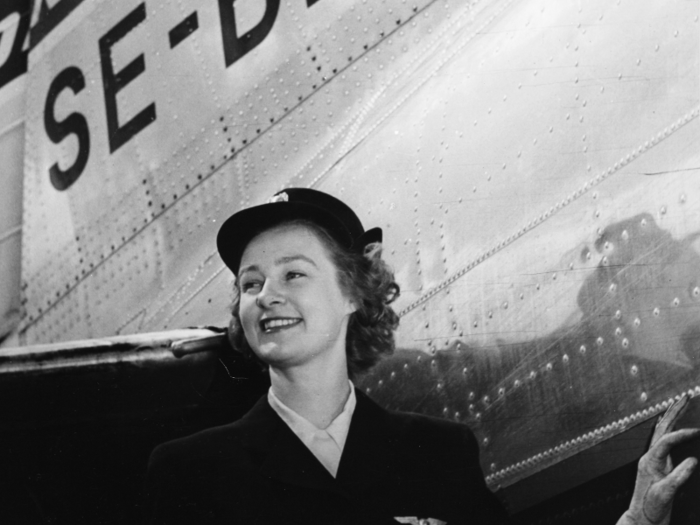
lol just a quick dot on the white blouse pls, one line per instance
(326, 444)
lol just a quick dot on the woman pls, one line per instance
(313, 304)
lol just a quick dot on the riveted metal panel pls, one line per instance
(532, 164)
(552, 231)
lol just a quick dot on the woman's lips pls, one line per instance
(278, 323)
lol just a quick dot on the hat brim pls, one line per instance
(239, 229)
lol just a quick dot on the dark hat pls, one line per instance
(290, 204)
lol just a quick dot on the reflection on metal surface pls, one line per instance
(532, 403)
(155, 349)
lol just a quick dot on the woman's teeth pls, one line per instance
(271, 324)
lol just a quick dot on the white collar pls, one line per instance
(305, 430)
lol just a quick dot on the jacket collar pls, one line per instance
(369, 445)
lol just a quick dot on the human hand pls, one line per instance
(657, 480)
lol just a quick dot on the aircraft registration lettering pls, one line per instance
(70, 78)
(114, 81)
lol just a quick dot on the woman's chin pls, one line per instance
(273, 353)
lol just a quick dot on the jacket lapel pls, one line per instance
(368, 459)
(282, 455)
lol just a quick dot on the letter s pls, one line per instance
(72, 78)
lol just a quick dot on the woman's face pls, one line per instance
(292, 308)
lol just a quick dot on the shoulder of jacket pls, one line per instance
(198, 446)
(429, 428)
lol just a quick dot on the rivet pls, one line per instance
(676, 301)
(618, 331)
(613, 288)
(533, 374)
(656, 312)
(696, 291)
(582, 349)
(662, 211)
(599, 341)
(682, 198)
(625, 342)
(501, 392)
(634, 370)
(548, 367)
(618, 315)
(486, 400)
(516, 383)
(643, 397)
(565, 359)
(471, 395)
(637, 321)
(486, 439)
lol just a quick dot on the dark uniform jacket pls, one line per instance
(256, 471)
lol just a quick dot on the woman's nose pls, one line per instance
(270, 295)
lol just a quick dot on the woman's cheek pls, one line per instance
(247, 322)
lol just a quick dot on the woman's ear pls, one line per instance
(351, 307)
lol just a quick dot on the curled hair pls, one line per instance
(369, 282)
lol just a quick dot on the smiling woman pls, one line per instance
(312, 304)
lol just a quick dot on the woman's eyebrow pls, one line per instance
(292, 258)
(249, 268)
(281, 260)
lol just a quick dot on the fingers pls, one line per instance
(661, 449)
(671, 483)
(668, 420)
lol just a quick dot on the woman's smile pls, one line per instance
(275, 324)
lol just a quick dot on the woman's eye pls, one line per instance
(249, 285)
(294, 275)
